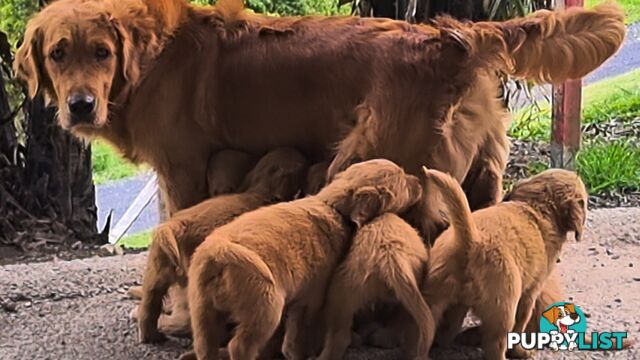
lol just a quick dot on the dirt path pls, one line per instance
(78, 309)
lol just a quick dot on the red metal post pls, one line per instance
(567, 99)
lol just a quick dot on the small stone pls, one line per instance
(631, 265)
(615, 257)
(8, 306)
(618, 300)
(636, 279)
(609, 252)
(76, 245)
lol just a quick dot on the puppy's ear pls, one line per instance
(29, 62)
(574, 217)
(551, 315)
(365, 204)
(571, 308)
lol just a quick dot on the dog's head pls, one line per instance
(83, 54)
(368, 189)
(560, 193)
(562, 316)
(279, 174)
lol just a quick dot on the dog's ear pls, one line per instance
(551, 315)
(571, 308)
(130, 51)
(574, 217)
(365, 204)
(29, 63)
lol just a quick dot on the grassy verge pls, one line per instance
(614, 98)
(108, 165)
(631, 8)
(606, 165)
(137, 241)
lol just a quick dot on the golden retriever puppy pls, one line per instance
(278, 176)
(386, 261)
(226, 171)
(496, 260)
(316, 178)
(283, 256)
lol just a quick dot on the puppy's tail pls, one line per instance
(456, 203)
(547, 46)
(398, 276)
(165, 239)
(220, 254)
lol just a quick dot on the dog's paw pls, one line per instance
(135, 292)
(553, 346)
(519, 352)
(174, 325)
(191, 355)
(133, 314)
(151, 337)
(572, 346)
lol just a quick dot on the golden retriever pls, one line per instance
(278, 176)
(386, 261)
(170, 83)
(282, 256)
(496, 260)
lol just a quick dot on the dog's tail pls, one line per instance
(164, 238)
(398, 276)
(547, 46)
(221, 253)
(456, 203)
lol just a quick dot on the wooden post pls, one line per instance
(567, 99)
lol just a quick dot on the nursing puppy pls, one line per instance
(387, 261)
(283, 255)
(496, 260)
(278, 176)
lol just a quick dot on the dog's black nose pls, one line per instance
(81, 106)
(574, 316)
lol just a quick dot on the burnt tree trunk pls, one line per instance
(47, 196)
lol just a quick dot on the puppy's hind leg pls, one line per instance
(256, 325)
(451, 325)
(342, 304)
(523, 314)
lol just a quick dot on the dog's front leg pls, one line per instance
(293, 347)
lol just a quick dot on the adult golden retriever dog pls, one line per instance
(278, 176)
(283, 255)
(170, 84)
(496, 260)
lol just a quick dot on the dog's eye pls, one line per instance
(57, 54)
(102, 53)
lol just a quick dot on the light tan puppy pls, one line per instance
(278, 176)
(226, 171)
(386, 262)
(284, 255)
(496, 260)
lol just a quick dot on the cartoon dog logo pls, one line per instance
(562, 317)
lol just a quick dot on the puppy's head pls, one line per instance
(559, 193)
(316, 178)
(279, 175)
(368, 189)
(81, 54)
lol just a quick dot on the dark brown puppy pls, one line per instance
(278, 176)
(496, 260)
(283, 256)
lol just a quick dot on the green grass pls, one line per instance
(137, 241)
(108, 165)
(631, 8)
(611, 166)
(614, 98)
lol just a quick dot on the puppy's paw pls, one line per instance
(519, 352)
(135, 292)
(151, 337)
(174, 325)
(191, 355)
(133, 314)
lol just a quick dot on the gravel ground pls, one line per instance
(79, 309)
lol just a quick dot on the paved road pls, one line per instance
(118, 195)
(78, 309)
